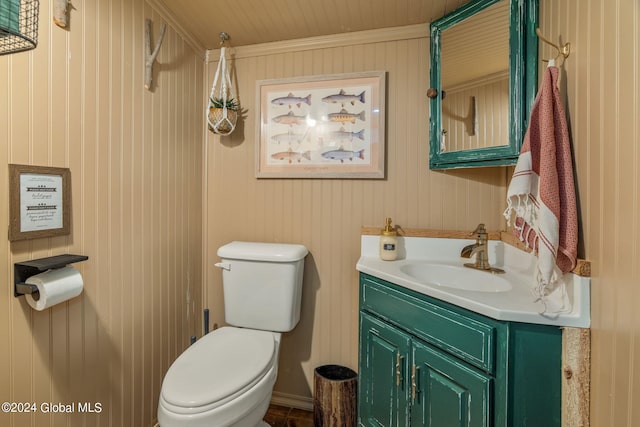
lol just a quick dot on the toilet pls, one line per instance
(226, 377)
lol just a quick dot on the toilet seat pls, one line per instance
(217, 368)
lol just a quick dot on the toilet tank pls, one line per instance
(262, 284)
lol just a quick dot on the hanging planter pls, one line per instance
(223, 115)
(223, 108)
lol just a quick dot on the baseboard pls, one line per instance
(292, 401)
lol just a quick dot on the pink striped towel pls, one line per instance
(542, 197)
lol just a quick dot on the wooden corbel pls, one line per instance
(151, 57)
(60, 15)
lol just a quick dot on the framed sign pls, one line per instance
(330, 126)
(39, 202)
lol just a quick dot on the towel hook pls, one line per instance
(565, 50)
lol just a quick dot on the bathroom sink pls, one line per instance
(456, 277)
(433, 266)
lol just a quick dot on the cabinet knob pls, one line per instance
(433, 93)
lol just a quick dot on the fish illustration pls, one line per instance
(291, 155)
(342, 135)
(343, 98)
(342, 154)
(289, 119)
(288, 137)
(290, 100)
(345, 116)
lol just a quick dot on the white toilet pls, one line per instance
(227, 376)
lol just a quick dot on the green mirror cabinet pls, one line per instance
(483, 82)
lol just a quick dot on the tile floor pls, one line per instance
(281, 416)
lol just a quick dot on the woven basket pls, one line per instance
(224, 127)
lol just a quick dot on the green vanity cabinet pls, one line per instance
(446, 392)
(406, 382)
(387, 351)
(424, 362)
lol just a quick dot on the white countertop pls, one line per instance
(516, 304)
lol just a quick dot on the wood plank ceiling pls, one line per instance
(251, 22)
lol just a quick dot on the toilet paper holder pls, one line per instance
(23, 270)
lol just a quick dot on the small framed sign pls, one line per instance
(39, 202)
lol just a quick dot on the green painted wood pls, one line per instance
(449, 392)
(523, 391)
(469, 337)
(535, 397)
(381, 400)
(522, 85)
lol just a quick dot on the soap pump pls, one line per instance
(388, 242)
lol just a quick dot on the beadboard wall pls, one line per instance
(601, 85)
(477, 116)
(326, 214)
(78, 101)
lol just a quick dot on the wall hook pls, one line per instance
(151, 57)
(565, 50)
(61, 13)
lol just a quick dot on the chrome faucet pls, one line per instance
(480, 250)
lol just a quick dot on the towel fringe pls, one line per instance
(520, 208)
(542, 291)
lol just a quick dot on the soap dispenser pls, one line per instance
(388, 242)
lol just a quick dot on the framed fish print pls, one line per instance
(330, 126)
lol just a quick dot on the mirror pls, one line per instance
(483, 83)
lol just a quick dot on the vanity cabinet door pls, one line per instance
(384, 360)
(447, 392)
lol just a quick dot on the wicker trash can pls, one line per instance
(334, 402)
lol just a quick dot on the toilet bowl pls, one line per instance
(226, 378)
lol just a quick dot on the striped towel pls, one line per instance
(542, 197)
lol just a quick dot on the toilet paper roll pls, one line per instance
(54, 287)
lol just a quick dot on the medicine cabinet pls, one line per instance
(483, 82)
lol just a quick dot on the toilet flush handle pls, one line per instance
(225, 265)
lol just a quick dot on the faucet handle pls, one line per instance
(480, 232)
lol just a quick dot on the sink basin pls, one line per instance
(454, 276)
(432, 266)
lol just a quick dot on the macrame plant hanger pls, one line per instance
(222, 110)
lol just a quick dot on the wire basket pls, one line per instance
(18, 25)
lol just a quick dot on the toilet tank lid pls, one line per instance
(257, 251)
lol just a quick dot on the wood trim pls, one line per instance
(426, 232)
(292, 401)
(509, 238)
(582, 268)
(576, 374)
(407, 32)
(187, 36)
